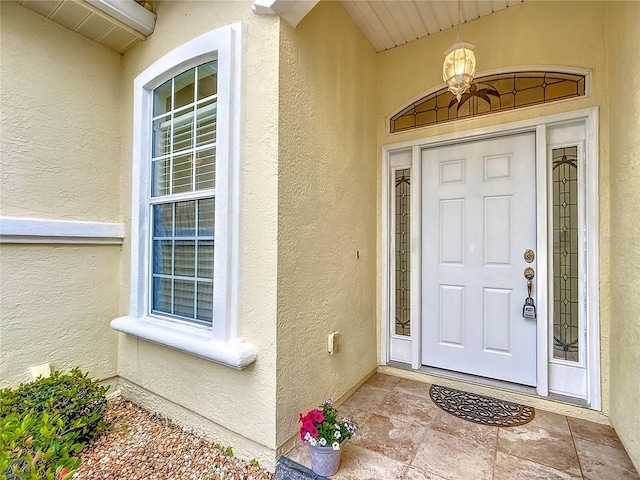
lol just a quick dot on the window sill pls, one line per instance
(236, 353)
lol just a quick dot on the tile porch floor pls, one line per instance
(404, 435)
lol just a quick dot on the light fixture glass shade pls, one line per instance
(459, 67)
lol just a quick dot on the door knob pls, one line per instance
(529, 273)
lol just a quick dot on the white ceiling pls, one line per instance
(390, 23)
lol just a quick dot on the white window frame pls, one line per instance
(220, 343)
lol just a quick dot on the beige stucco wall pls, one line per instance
(59, 159)
(235, 401)
(60, 115)
(623, 38)
(310, 200)
(56, 304)
(531, 33)
(327, 211)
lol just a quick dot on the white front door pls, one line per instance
(478, 219)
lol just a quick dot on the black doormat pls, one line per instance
(289, 470)
(480, 409)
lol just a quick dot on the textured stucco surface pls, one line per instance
(623, 38)
(59, 159)
(56, 303)
(237, 401)
(316, 99)
(60, 121)
(327, 211)
(531, 33)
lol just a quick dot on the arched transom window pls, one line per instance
(490, 94)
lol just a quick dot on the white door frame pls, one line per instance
(538, 125)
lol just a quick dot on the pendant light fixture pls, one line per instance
(459, 64)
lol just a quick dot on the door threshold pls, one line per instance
(484, 381)
(489, 382)
(468, 378)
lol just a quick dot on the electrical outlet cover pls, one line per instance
(43, 370)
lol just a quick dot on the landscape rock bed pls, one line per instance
(140, 445)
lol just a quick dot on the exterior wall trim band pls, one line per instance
(38, 230)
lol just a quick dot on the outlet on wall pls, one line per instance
(38, 370)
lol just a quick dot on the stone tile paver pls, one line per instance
(362, 403)
(359, 463)
(390, 437)
(509, 467)
(600, 461)
(413, 387)
(417, 474)
(545, 446)
(480, 434)
(417, 411)
(381, 380)
(454, 458)
(594, 432)
(405, 436)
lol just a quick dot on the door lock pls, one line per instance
(529, 308)
(529, 255)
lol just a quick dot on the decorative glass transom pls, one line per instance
(566, 325)
(403, 251)
(489, 94)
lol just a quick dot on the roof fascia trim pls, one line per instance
(292, 11)
(128, 12)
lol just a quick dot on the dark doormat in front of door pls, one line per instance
(480, 409)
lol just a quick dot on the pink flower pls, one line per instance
(314, 432)
(63, 472)
(318, 416)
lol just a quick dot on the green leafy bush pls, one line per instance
(46, 423)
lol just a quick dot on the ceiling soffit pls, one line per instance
(389, 24)
(115, 24)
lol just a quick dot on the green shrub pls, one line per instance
(46, 423)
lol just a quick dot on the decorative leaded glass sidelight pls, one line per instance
(489, 94)
(566, 330)
(402, 220)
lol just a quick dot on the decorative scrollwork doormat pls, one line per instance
(480, 409)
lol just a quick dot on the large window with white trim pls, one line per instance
(185, 216)
(182, 200)
(185, 199)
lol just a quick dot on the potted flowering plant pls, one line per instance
(324, 433)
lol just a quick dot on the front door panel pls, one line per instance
(478, 219)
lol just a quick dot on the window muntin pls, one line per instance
(183, 157)
(182, 266)
(182, 196)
